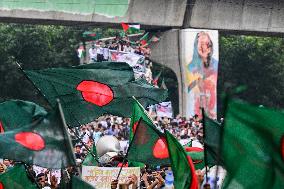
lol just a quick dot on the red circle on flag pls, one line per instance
(160, 149)
(30, 140)
(96, 93)
(282, 147)
(1, 185)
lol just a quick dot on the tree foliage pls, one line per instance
(33, 47)
(254, 62)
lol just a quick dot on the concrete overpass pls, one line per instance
(241, 16)
(228, 15)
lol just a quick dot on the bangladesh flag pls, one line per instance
(16, 178)
(151, 143)
(90, 160)
(253, 147)
(144, 39)
(138, 112)
(148, 140)
(130, 28)
(88, 91)
(182, 166)
(78, 183)
(91, 36)
(17, 113)
(197, 156)
(212, 141)
(44, 142)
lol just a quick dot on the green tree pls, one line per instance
(256, 62)
(34, 47)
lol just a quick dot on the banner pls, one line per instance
(200, 57)
(164, 109)
(136, 61)
(130, 58)
(101, 177)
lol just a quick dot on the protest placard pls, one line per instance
(101, 177)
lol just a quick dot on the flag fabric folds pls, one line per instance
(44, 142)
(78, 183)
(181, 164)
(90, 160)
(148, 146)
(148, 140)
(212, 140)
(16, 178)
(138, 112)
(17, 113)
(156, 79)
(144, 39)
(197, 156)
(253, 147)
(163, 85)
(88, 91)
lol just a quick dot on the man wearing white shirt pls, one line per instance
(93, 54)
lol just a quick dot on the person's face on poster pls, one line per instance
(204, 48)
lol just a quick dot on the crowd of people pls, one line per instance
(101, 50)
(183, 129)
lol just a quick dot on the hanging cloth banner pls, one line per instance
(200, 57)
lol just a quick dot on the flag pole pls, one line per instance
(205, 148)
(144, 110)
(31, 176)
(87, 148)
(69, 145)
(226, 99)
(78, 137)
(130, 144)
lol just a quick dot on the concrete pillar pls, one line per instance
(166, 52)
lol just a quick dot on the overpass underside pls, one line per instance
(228, 15)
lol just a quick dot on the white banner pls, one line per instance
(101, 177)
(130, 58)
(164, 109)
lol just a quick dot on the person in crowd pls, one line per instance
(93, 54)
(97, 133)
(100, 52)
(2, 168)
(127, 48)
(78, 152)
(106, 51)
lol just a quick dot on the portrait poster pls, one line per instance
(164, 109)
(200, 58)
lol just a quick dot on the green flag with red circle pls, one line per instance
(88, 91)
(17, 113)
(149, 144)
(44, 142)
